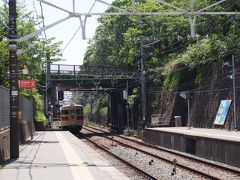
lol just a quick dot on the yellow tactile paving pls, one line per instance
(79, 170)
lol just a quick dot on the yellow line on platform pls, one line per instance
(79, 170)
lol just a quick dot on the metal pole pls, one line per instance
(143, 83)
(91, 108)
(189, 120)
(132, 117)
(192, 20)
(234, 93)
(46, 94)
(127, 110)
(31, 122)
(47, 71)
(14, 89)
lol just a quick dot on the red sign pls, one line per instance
(29, 84)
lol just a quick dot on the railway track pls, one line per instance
(106, 149)
(208, 169)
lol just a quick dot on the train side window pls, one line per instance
(65, 112)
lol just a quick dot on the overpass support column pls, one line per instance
(117, 111)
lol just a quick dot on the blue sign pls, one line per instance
(222, 112)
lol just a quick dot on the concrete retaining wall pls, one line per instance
(4, 145)
(214, 149)
(26, 130)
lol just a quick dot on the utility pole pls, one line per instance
(127, 107)
(234, 92)
(189, 116)
(192, 19)
(143, 84)
(47, 72)
(14, 89)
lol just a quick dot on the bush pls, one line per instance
(103, 112)
(40, 117)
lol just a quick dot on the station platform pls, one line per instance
(213, 144)
(59, 155)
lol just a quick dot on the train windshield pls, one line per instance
(65, 112)
(79, 111)
(72, 111)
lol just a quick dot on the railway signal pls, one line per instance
(60, 95)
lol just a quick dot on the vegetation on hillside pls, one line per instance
(177, 57)
(117, 39)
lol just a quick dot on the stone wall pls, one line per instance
(215, 86)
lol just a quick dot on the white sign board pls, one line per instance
(14, 93)
(125, 94)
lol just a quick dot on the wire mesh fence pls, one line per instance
(25, 107)
(4, 108)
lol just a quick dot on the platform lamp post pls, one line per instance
(14, 89)
(187, 95)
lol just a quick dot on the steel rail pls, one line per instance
(175, 153)
(105, 149)
(158, 157)
(172, 152)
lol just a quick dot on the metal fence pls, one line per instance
(76, 69)
(4, 108)
(25, 106)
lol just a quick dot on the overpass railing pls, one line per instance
(79, 69)
(80, 72)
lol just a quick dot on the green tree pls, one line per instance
(34, 59)
(176, 55)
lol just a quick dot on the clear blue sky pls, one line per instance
(74, 52)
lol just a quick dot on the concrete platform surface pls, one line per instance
(202, 132)
(59, 155)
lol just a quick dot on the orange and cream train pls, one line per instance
(71, 117)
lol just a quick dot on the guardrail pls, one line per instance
(77, 69)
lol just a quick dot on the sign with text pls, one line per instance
(125, 94)
(222, 112)
(27, 84)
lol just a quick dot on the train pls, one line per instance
(71, 117)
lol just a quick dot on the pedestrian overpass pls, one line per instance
(108, 79)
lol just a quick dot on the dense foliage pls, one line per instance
(95, 107)
(177, 57)
(34, 59)
(117, 39)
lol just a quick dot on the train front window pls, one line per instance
(72, 111)
(65, 112)
(79, 111)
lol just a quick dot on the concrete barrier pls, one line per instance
(26, 130)
(4, 145)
